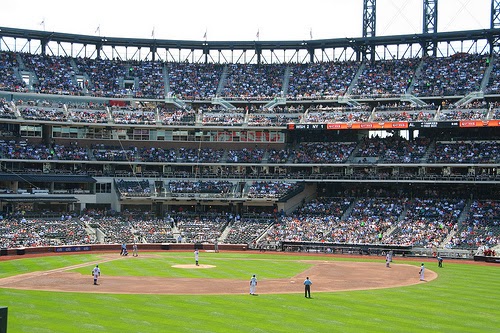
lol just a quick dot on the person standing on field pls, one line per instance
(253, 285)
(96, 272)
(196, 257)
(421, 272)
(134, 250)
(307, 287)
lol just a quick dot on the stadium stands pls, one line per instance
(174, 164)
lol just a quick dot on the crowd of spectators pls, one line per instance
(103, 152)
(253, 81)
(321, 79)
(24, 151)
(313, 222)
(217, 187)
(323, 220)
(154, 154)
(400, 150)
(419, 222)
(245, 155)
(198, 229)
(458, 74)
(465, 152)
(403, 112)
(104, 75)
(427, 222)
(43, 114)
(393, 149)
(134, 188)
(385, 78)
(269, 189)
(247, 230)
(152, 230)
(481, 228)
(322, 152)
(54, 74)
(268, 120)
(369, 219)
(321, 114)
(169, 116)
(200, 155)
(194, 81)
(493, 86)
(142, 117)
(6, 110)
(88, 116)
(70, 151)
(23, 232)
(151, 80)
(453, 75)
(116, 229)
(9, 80)
(218, 117)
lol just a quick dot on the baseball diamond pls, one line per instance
(329, 277)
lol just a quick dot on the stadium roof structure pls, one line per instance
(359, 45)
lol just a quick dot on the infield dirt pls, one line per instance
(327, 276)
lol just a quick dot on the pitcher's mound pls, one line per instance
(193, 266)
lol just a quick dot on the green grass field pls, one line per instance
(464, 298)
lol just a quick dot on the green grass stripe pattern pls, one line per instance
(464, 298)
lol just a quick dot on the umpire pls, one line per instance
(307, 287)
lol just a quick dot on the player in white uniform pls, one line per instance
(196, 257)
(253, 285)
(96, 272)
(388, 260)
(134, 250)
(421, 272)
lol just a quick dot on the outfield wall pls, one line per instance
(117, 248)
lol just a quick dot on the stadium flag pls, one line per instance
(153, 32)
(43, 23)
(205, 35)
(311, 33)
(98, 30)
(258, 34)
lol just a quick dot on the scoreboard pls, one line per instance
(396, 125)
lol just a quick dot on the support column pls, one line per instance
(429, 24)
(369, 21)
(495, 24)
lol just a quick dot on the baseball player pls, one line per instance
(307, 287)
(96, 272)
(134, 250)
(421, 272)
(253, 285)
(196, 257)
(388, 260)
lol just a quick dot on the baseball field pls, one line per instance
(166, 292)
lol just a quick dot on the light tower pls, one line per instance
(495, 24)
(369, 20)
(429, 25)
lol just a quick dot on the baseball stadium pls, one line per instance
(156, 185)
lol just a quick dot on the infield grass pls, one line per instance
(464, 298)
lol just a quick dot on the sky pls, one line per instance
(233, 20)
